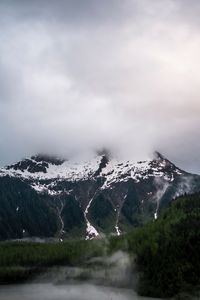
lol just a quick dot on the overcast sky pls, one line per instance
(77, 75)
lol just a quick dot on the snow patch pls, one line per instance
(91, 232)
(117, 230)
(69, 170)
(115, 171)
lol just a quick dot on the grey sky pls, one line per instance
(77, 75)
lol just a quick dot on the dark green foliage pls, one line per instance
(168, 250)
(101, 214)
(73, 217)
(46, 254)
(20, 260)
(16, 274)
(117, 243)
(131, 209)
(21, 208)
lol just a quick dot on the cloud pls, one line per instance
(78, 75)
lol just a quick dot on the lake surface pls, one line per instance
(65, 292)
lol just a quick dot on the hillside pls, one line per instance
(168, 250)
(50, 197)
(164, 255)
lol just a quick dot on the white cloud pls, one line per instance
(70, 81)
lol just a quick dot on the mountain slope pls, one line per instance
(87, 198)
(168, 251)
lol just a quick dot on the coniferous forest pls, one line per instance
(165, 253)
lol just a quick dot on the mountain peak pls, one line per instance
(158, 156)
(101, 165)
(98, 187)
(54, 160)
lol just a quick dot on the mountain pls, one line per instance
(45, 196)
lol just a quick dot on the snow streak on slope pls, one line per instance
(91, 232)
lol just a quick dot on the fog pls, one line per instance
(101, 278)
(82, 75)
(66, 292)
(117, 270)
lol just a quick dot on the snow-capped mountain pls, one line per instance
(86, 198)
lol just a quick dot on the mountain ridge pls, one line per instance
(101, 195)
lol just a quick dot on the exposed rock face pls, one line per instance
(86, 198)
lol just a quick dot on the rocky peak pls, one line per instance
(158, 156)
(106, 193)
(44, 158)
(112, 170)
(35, 164)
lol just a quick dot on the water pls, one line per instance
(65, 292)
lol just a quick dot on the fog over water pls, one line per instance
(65, 292)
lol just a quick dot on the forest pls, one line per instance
(166, 252)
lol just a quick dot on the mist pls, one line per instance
(66, 292)
(102, 278)
(79, 76)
